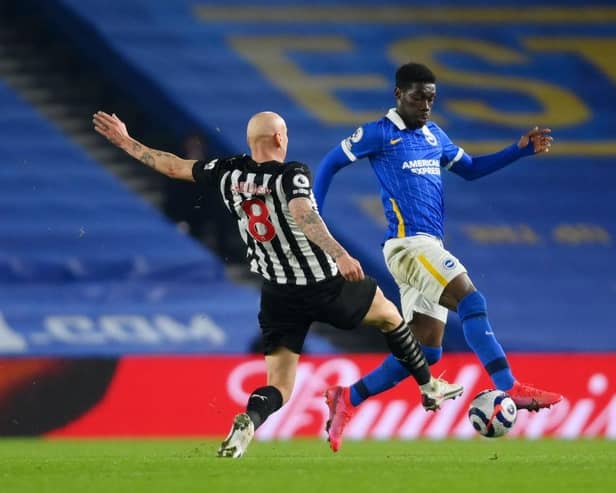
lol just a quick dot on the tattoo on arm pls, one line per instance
(151, 157)
(147, 159)
(315, 230)
(164, 162)
(163, 154)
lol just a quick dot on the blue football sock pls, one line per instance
(378, 380)
(478, 333)
(432, 353)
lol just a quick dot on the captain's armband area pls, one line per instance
(297, 181)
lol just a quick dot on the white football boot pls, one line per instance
(239, 437)
(438, 390)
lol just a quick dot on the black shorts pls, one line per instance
(287, 311)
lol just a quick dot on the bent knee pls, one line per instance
(472, 305)
(383, 314)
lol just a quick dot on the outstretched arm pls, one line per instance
(535, 141)
(311, 224)
(114, 129)
(333, 162)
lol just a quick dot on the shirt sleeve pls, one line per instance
(333, 162)
(451, 152)
(297, 181)
(207, 172)
(366, 140)
(471, 168)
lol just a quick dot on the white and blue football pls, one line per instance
(492, 413)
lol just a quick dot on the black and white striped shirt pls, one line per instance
(258, 196)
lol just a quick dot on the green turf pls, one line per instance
(298, 466)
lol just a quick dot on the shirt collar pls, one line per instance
(393, 116)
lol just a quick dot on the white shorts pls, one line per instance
(422, 269)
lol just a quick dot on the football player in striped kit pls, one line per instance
(407, 153)
(307, 275)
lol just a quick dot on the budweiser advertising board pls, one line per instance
(198, 396)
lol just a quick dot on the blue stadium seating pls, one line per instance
(87, 268)
(61, 210)
(548, 273)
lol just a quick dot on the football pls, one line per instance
(492, 413)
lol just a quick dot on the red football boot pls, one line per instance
(527, 397)
(340, 412)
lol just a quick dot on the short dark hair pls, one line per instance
(410, 73)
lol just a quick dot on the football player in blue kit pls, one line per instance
(408, 152)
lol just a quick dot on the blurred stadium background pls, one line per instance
(124, 303)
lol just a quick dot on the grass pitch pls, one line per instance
(308, 466)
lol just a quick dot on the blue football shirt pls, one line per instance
(407, 163)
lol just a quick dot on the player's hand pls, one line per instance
(110, 127)
(540, 139)
(349, 268)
